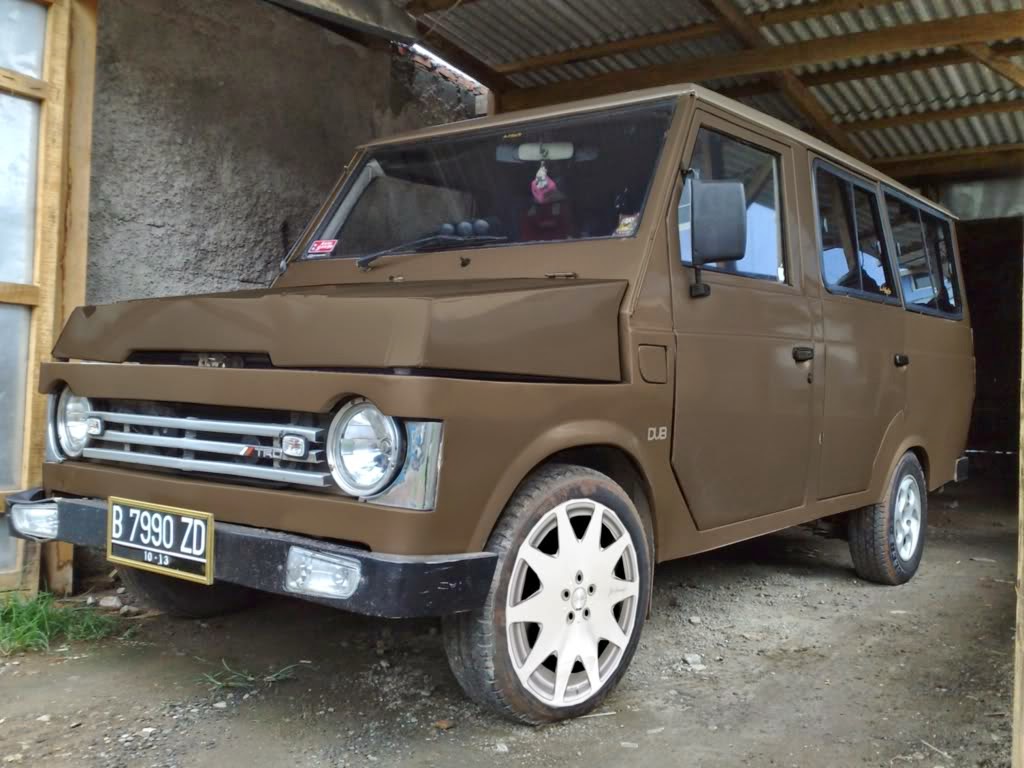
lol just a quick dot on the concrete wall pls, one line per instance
(219, 127)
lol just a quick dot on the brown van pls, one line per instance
(513, 363)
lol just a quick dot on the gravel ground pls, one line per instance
(800, 664)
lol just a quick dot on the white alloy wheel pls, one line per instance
(907, 517)
(572, 602)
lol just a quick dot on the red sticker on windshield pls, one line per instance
(322, 246)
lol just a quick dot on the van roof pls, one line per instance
(652, 94)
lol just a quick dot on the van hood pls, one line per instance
(524, 327)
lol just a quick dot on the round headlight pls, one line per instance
(72, 412)
(364, 449)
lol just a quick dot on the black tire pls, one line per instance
(873, 540)
(185, 599)
(477, 642)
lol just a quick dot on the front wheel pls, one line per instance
(185, 599)
(567, 603)
(887, 539)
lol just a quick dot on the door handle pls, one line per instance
(803, 354)
(901, 360)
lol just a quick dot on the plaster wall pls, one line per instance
(219, 127)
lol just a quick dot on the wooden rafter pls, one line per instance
(998, 63)
(869, 71)
(691, 32)
(930, 34)
(936, 115)
(423, 7)
(733, 19)
(999, 160)
(625, 45)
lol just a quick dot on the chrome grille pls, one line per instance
(240, 443)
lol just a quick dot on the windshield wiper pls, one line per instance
(423, 242)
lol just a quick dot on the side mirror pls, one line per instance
(718, 228)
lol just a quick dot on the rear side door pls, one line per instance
(743, 423)
(940, 371)
(865, 357)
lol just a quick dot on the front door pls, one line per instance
(743, 425)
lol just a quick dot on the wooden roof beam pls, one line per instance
(999, 64)
(869, 71)
(936, 115)
(930, 34)
(691, 32)
(733, 19)
(977, 162)
(600, 50)
(423, 7)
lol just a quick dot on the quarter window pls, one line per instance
(717, 157)
(939, 243)
(924, 251)
(853, 252)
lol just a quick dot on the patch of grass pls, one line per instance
(234, 678)
(33, 625)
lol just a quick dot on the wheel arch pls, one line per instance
(610, 457)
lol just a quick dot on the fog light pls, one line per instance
(322, 574)
(36, 521)
(294, 446)
(94, 426)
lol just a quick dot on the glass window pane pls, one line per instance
(19, 144)
(911, 257)
(8, 551)
(13, 379)
(943, 266)
(22, 36)
(876, 274)
(717, 157)
(569, 178)
(839, 260)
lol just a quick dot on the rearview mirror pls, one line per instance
(552, 150)
(718, 226)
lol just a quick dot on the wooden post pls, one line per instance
(58, 557)
(1018, 660)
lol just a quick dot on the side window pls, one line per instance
(876, 272)
(939, 244)
(927, 264)
(717, 157)
(838, 249)
(853, 253)
(911, 256)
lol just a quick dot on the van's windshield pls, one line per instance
(561, 179)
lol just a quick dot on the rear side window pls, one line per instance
(717, 157)
(853, 252)
(924, 255)
(939, 242)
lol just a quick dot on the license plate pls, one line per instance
(175, 542)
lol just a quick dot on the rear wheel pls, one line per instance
(567, 604)
(185, 599)
(887, 539)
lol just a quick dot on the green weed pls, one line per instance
(34, 625)
(233, 678)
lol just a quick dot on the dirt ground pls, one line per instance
(803, 665)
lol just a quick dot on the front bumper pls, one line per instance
(392, 586)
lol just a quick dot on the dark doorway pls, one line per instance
(992, 253)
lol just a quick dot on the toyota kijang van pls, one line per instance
(510, 365)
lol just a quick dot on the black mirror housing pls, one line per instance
(718, 226)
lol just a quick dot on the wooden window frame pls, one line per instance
(65, 95)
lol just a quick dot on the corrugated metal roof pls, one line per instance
(499, 32)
